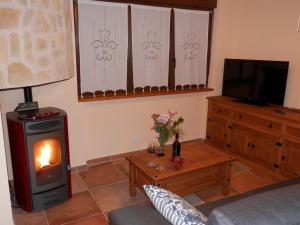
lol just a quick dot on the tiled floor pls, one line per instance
(103, 188)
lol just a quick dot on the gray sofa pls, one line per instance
(277, 204)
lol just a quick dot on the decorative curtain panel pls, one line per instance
(191, 46)
(150, 45)
(103, 37)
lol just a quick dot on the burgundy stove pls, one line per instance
(40, 157)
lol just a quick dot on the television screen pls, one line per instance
(255, 81)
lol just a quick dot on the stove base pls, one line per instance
(49, 198)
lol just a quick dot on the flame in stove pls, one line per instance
(44, 159)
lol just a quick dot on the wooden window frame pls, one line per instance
(131, 92)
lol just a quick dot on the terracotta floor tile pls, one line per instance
(239, 167)
(123, 166)
(22, 217)
(115, 196)
(106, 215)
(263, 172)
(99, 219)
(264, 176)
(102, 175)
(78, 169)
(79, 206)
(246, 181)
(77, 183)
(98, 161)
(215, 193)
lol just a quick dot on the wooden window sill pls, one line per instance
(143, 94)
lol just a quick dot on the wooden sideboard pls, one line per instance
(269, 136)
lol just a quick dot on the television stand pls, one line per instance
(264, 135)
(251, 102)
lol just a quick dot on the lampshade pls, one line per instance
(36, 42)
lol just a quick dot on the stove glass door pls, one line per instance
(46, 146)
(47, 160)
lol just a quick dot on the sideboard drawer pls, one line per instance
(293, 131)
(220, 111)
(254, 121)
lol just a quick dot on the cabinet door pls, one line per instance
(216, 131)
(237, 140)
(291, 159)
(263, 149)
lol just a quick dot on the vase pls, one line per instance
(161, 151)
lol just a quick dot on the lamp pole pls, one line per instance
(27, 94)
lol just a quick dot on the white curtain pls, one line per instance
(103, 41)
(151, 44)
(191, 45)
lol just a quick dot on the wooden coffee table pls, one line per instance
(203, 167)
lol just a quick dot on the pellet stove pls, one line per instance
(40, 157)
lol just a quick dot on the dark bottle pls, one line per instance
(176, 146)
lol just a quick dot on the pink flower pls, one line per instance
(163, 118)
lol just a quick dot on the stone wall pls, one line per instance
(36, 42)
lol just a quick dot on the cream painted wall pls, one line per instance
(105, 128)
(260, 29)
(5, 205)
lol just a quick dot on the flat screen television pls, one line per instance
(258, 82)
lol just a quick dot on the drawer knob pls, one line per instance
(230, 127)
(275, 166)
(283, 158)
(219, 110)
(225, 135)
(249, 144)
(208, 137)
(209, 119)
(240, 117)
(270, 126)
(253, 146)
(279, 144)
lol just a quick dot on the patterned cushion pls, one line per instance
(175, 209)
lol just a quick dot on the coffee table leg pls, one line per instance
(226, 179)
(132, 178)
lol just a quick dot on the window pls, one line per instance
(130, 50)
(103, 37)
(191, 46)
(150, 45)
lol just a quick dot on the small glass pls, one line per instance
(161, 151)
(152, 147)
(151, 150)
